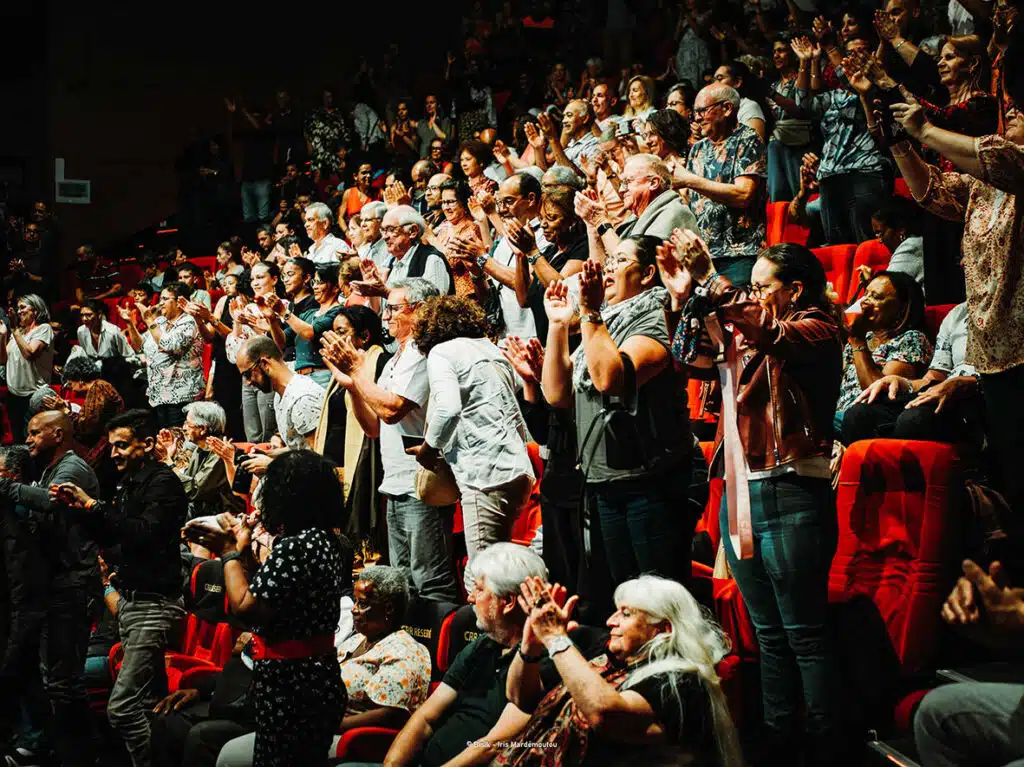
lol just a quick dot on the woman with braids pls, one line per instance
(292, 602)
(780, 380)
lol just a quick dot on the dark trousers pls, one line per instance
(560, 498)
(1005, 430)
(847, 202)
(892, 419)
(169, 416)
(785, 588)
(67, 624)
(17, 414)
(646, 525)
(190, 737)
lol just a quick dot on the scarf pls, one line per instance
(557, 733)
(618, 318)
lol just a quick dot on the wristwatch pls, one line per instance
(592, 317)
(482, 259)
(602, 228)
(287, 315)
(558, 644)
(533, 259)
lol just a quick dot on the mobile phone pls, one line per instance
(892, 131)
(408, 442)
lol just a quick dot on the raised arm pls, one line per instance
(556, 375)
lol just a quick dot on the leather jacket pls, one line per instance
(789, 380)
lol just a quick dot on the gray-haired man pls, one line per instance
(326, 248)
(394, 407)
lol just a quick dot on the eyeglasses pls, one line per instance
(675, 103)
(389, 230)
(704, 110)
(395, 308)
(761, 291)
(449, 203)
(247, 373)
(614, 264)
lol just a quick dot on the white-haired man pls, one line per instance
(326, 248)
(656, 209)
(725, 179)
(370, 219)
(468, 714)
(402, 228)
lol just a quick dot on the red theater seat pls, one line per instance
(901, 189)
(206, 263)
(776, 214)
(838, 263)
(900, 543)
(933, 317)
(871, 253)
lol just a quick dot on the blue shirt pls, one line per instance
(849, 148)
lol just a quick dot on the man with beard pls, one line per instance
(144, 522)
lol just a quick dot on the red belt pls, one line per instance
(292, 649)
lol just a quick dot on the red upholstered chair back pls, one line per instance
(933, 317)
(776, 221)
(838, 263)
(899, 505)
(131, 275)
(525, 526)
(901, 189)
(869, 253)
(207, 263)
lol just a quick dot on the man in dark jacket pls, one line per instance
(62, 574)
(144, 521)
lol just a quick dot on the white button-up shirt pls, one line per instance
(405, 374)
(327, 252)
(112, 342)
(434, 270)
(473, 417)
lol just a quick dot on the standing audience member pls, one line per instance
(393, 407)
(291, 601)
(174, 355)
(777, 516)
(192, 276)
(28, 356)
(304, 330)
(474, 423)
(726, 183)
(458, 225)
(144, 522)
(71, 583)
(374, 246)
(97, 338)
(325, 248)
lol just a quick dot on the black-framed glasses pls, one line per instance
(760, 291)
(705, 109)
(247, 373)
(395, 308)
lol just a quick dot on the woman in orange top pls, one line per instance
(357, 196)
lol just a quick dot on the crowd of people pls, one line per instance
(419, 291)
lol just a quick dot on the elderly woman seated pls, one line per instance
(653, 698)
(386, 672)
(204, 475)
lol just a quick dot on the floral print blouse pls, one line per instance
(394, 673)
(175, 365)
(992, 245)
(730, 232)
(911, 346)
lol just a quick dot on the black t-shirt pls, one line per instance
(687, 722)
(579, 251)
(257, 153)
(478, 674)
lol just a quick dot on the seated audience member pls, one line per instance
(474, 423)
(942, 406)
(975, 723)
(653, 698)
(325, 248)
(97, 338)
(469, 712)
(191, 275)
(389, 403)
(96, 276)
(884, 339)
(153, 274)
(894, 227)
(802, 210)
(386, 672)
(229, 261)
(667, 135)
(374, 247)
(204, 477)
(725, 184)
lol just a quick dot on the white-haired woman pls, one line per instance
(204, 476)
(653, 698)
(28, 356)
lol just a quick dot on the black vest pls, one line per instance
(418, 264)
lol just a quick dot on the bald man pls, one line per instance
(421, 174)
(72, 578)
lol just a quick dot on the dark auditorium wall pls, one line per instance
(129, 86)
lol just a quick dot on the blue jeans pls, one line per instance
(419, 542)
(784, 170)
(847, 202)
(258, 417)
(785, 588)
(971, 724)
(255, 201)
(737, 270)
(646, 525)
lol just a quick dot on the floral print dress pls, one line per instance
(912, 347)
(298, 702)
(325, 131)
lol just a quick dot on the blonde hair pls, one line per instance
(648, 85)
(693, 643)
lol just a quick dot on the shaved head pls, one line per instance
(56, 419)
(49, 433)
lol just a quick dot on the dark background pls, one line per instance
(118, 90)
